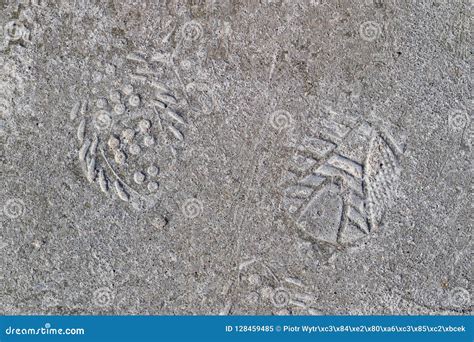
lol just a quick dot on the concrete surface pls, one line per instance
(231, 157)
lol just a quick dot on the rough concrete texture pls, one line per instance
(231, 157)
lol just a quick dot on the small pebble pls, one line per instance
(159, 222)
(144, 125)
(134, 100)
(127, 89)
(254, 279)
(113, 142)
(119, 108)
(119, 157)
(134, 149)
(152, 171)
(36, 244)
(101, 103)
(128, 134)
(103, 120)
(115, 96)
(149, 140)
(110, 69)
(139, 177)
(152, 186)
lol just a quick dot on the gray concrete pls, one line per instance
(260, 157)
